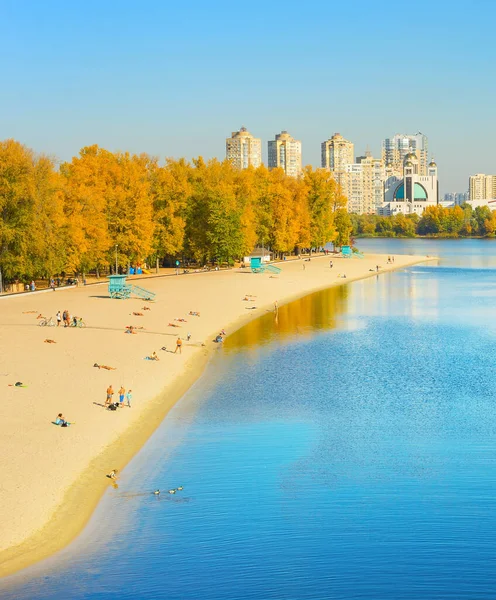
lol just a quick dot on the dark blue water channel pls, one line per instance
(346, 449)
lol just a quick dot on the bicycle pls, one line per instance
(78, 323)
(47, 322)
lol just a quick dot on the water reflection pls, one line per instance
(319, 311)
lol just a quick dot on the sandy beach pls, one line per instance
(53, 477)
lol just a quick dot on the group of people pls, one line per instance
(66, 318)
(123, 395)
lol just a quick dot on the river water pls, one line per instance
(345, 449)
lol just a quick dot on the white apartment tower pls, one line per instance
(396, 148)
(336, 153)
(244, 150)
(482, 187)
(285, 153)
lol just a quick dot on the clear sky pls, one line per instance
(176, 78)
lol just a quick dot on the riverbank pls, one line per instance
(52, 477)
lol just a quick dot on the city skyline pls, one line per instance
(154, 79)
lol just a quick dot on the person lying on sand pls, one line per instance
(194, 313)
(104, 367)
(137, 314)
(29, 312)
(145, 308)
(181, 320)
(47, 341)
(60, 420)
(130, 329)
(246, 299)
(40, 316)
(174, 325)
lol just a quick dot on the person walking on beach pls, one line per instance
(179, 345)
(110, 393)
(129, 397)
(122, 391)
(58, 316)
(330, 264)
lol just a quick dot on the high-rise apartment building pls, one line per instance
(285, 153)
(244, 150)
(337, 152)
(362, 182)
(482, 187)
(396, 148)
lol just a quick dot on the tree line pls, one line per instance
(77, 216)
(459, 221)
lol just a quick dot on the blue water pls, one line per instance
(346, 450)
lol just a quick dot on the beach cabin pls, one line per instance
(263, 254)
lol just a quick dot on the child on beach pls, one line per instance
(129, 397)
(60, 420)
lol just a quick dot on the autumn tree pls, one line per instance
(322, 191)
(343, 225)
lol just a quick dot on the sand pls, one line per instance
(51, 478)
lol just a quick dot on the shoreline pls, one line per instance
(70, 515)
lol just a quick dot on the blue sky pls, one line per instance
(176, 78)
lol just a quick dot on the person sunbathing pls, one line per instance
(180, 320)
(47, 341)
(104, 367)
(145, 308)
(193, 313)
(137, 314)
(174, 325)
(130, 329)
(152, 357)
(40, 316)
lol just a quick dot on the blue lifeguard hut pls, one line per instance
(119, 289)
(259, 266)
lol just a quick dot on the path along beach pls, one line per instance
(51, 478)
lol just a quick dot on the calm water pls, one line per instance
(345, 450)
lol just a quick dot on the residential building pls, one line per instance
(412, 192)
(373, 176)
(482, 186)
(337, 152)
(244, 150)
(285, 153)
(396, 148)
(456, 198)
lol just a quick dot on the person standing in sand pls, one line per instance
(129, 397)
(122, 391)
(179, 345)
(59, 318)
(110, 393)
